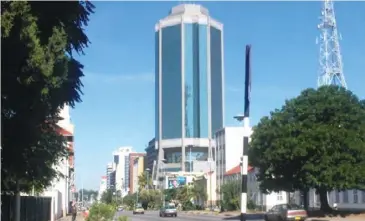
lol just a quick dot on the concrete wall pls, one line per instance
(57, 206)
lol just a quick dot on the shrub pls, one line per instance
(123, 218)
(101, 211)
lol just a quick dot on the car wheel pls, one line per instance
(143, 213)
(175, 215)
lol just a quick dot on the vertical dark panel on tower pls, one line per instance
(247, 80)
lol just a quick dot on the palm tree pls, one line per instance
(144, 181)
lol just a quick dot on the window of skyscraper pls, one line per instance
(171, 79)
(216, 78)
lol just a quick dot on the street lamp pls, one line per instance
(136, 193)
(115, 197)
(162, 163)
(122, 190)
(148, 173)
(246, 123)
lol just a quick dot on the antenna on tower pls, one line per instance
(330, 59)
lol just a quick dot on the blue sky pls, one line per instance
(118, 102)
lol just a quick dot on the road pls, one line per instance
(153, 216)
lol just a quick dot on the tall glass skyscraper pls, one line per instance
(189, 91)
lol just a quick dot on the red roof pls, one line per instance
(237, 170)
(64, 132)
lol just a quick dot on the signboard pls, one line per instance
(176, 182)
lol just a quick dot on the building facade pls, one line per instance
(189, 90)
(151, 154)
(228, 150)
(132, 175)
(264, 202)
(121, 161)
(138, 169)
(102, 186)
(63, 189)
(109, 175)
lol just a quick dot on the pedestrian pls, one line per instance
(74, 211)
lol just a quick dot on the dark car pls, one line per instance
(286, 212)
(168, 211)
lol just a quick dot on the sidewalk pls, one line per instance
(69, 218)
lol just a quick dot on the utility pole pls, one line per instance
(246, 125)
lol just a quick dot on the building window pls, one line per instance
(279, 195)
(337, 196)
(345, 196)
(363, 196)
(355, 196)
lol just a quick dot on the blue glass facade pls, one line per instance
(171, 83)
(216, 79)
(196, 81)
(157, 84)
(188, 46)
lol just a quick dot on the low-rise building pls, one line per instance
(208, 182)
(263, 201)
(228, 150)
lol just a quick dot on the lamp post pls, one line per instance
(136, 192)
(122, 190)
(162, 163)
(246, 121)
(148, 173)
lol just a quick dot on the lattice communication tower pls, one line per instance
(330, 59)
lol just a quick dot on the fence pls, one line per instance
(31, 208)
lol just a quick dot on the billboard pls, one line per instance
(176, 182)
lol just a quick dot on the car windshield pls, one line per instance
(170, 207)
(294, 207)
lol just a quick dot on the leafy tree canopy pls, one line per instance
(39, 76)
(315, 140)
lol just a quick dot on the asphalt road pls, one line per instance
(154, 216)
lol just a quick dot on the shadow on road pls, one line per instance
(249, 217)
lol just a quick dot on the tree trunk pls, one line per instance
(325, 207)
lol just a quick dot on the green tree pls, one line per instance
(150, 198)
(144, 180)
(101, 211)
(130, 200)
(107, 197)
(199, 191)
(231, 195)
(170, 194)
(315, 140)
(39, 76)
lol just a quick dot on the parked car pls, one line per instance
(138, 210)
(168, 210)
(286, 212)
